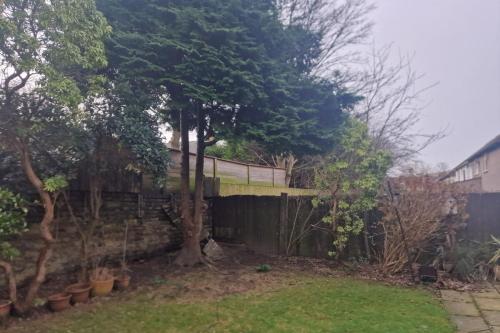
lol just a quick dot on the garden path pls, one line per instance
(474, 311)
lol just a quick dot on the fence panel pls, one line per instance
(484, 216)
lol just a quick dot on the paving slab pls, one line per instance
(461, 308)
(492, 317)
(495, 329)
(488, 303)
(467, 324)
(456, 296)
(488, 293)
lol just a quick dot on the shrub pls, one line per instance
(13, 211)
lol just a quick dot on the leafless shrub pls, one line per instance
(420, 210)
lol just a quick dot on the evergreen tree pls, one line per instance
(221, 66)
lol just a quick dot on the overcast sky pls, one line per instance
(455, 43)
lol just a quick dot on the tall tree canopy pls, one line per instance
(222, 67)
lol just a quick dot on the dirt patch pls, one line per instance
(158, 279)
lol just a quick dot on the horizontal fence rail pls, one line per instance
(228, 172)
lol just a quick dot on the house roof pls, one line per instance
(491, 145)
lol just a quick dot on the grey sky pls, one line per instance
(456, 43)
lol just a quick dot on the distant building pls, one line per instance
(481, 171)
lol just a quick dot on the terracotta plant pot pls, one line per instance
(102, 287)
(80, 292)
(122, 282)
(5, 307)
(59, 302)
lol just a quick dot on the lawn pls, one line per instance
(312, 305)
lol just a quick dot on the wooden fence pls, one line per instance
(271, 224)
(228, 172)
(484, 216)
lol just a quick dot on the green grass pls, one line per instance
(314, 305)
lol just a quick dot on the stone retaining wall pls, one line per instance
(153, 228)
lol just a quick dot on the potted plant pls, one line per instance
(59, 302)
(123, 278)
(102, 281)
(80, 292)
(122, 281)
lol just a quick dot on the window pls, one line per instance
(477, 168)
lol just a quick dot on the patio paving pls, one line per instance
(474, 312)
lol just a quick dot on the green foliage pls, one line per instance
(301, 115)
(124, 137)
(55, 183)
(13, 210)
(53, 39)
(496, 256)
(54, 50)
(470, 260)
(237, 150)
(349, 179)
(263, 268)
(194, 51)
(237, 60)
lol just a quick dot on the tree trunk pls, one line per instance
(199, 177)
(190, 253)
(48, 217)
(286, 162)
(10, 280)
(84, 261)
(175, 139)
(366, 233)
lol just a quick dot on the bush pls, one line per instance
(470, 260)
(13, 211)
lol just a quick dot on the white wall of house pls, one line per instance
(485, 168)
(473, 169)
(490, 179)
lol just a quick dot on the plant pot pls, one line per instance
(80, 292)
(5, 307)
(102, 287)
(59, 302)
(122, 282)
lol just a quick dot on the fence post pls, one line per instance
(215, 167)
(283, 224)
(248, 174)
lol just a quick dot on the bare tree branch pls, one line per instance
(393, 104)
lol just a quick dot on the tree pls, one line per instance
(392, 105)
(44, 46)
(300, 118)
(349, 179)
(223, 68)
(203, 57)
(391, 90)
(341, 26)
